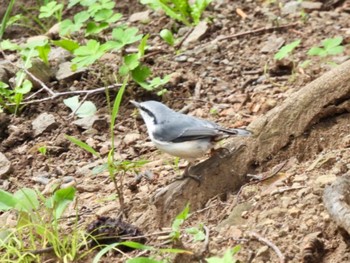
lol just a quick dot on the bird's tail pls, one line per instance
(240, 132)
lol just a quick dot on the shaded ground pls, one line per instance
(232, 82)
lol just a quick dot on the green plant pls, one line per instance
(227, 258)
(38, 226)
(178, 221)
(284, 51)
(51, 9)
(184, 11)
(329, 46)
(116, 168)
(167, 36)
(42, 150)
(6, 18)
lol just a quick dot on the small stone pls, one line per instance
(86, 123)
(44, 122)
(262, 251)
(130, 138)
(290, 8)
(181, 58)
(67, 179)
(272, 44)
(308, 5)
(197, 34)
(66, 73)
(5, 166)
(143, 17)
(69, 184)
(326, 179)
(41, 71)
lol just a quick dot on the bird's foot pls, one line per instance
(187, 174)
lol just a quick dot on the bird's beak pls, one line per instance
(136, 104)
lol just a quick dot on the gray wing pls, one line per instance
(185, 128)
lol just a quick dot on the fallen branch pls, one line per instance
(336, 199)
(256, 31)
(269, 244)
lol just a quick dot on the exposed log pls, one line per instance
(326, 96)
(336, 199)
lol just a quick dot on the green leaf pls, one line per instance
(142, 46)
(85, 110)
(82, 145)
(117, 102)
(87, 55)
(8, 45)
(198, 235)
(67, 44)
(93, 28)
(317, 51)
(332, 42)
(167, 36)
(7, 201)
(50, 9)
(126, 36)
(179, 220)
(131, 61)
(27, 200)
(285, 50)
(123, 70)
(43, 52)
(24, 88)
(62, 198)
(141, 73)
(335, 50)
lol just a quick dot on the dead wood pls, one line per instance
(327, 96)
(336, 199)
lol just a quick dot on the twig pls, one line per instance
(259, 30)
(52, 94)
(270, 244)
(285, 189)
(178, 45)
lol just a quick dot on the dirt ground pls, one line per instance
(232, 82)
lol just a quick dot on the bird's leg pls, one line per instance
(187, 174)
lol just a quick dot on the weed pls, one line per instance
(329, 46)
(286, 50)
(184, 11)
(38, 227)
(227, 258)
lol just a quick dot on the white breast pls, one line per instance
(189, 150)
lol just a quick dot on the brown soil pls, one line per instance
(226, 81)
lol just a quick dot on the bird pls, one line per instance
(181, 135)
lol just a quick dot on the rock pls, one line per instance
(5, 166)
(59, 55)
(44, 122)
(272, 44)
(310, 6)
(197, 34)
(7, 71)
(143, 17)
(235, 218)
(131, 138)
(86, 123)
(181, 58)
(41, 71)
(325, 179)
(37, 38)
(291, 7)
(262, 251)
(41, 180)
(65, 72)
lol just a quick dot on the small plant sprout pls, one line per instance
(42, 150)
(329, 46)
(286, 50)
(184, 11)
(179, 220)
(227, 258)
(167, 36)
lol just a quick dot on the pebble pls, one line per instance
(181, 58)
(5, 166)
(44, 122)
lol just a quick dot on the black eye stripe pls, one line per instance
(149, 113)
